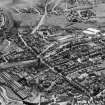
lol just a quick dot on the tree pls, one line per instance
(72, 2)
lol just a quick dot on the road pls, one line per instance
(7, 65)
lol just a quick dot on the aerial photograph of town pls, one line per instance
(52, 52)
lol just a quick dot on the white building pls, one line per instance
(91, 31)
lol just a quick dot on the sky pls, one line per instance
(13, 3)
